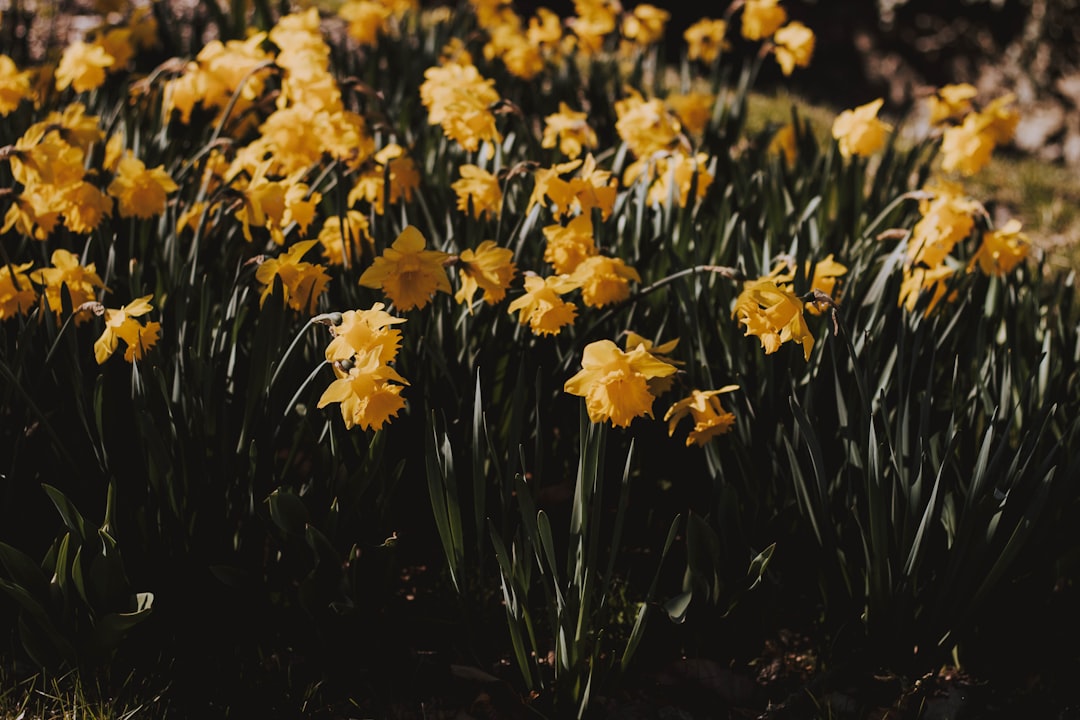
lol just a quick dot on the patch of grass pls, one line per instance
(1044, 196)
(69, 696)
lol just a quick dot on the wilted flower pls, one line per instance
(859, 132)
(302, 283)
(541, 306)
(703, 407)
(489, 268)
(407, 272)
(1002, 250)
(615, 383)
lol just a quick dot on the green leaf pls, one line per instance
(287, 511)
(677, 606)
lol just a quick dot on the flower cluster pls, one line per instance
(366, 386)
(770, 309)
(966, 148)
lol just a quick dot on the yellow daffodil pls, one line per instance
(783, 144)
(84, 207)
(645, 125)
(366, 20)
(460, 100)
(122, 324)
(542, 307)
(14, 86)
(509, 43)
(951, 102)
(917, 280)
(140, 192)
(604, 280)
(859, 132)
(483, 189)
(948, 216)
(615, 383)
(675, 174)
(703, 407)
(361, 331)
(794, 46)
(694, 110)
(568, 246)
(774, 314)
(658, 386)
(595, 20)
(967, 147)
(645, 24)
(341, 243)
(489, 268)
(17, 294)
(407, 272)
(82, 67)
(302, 283)
(371, 186)
(1002, 250)
(82, 282)
(569, 130)
(705, 39)
(367, 397)
(762, 18)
